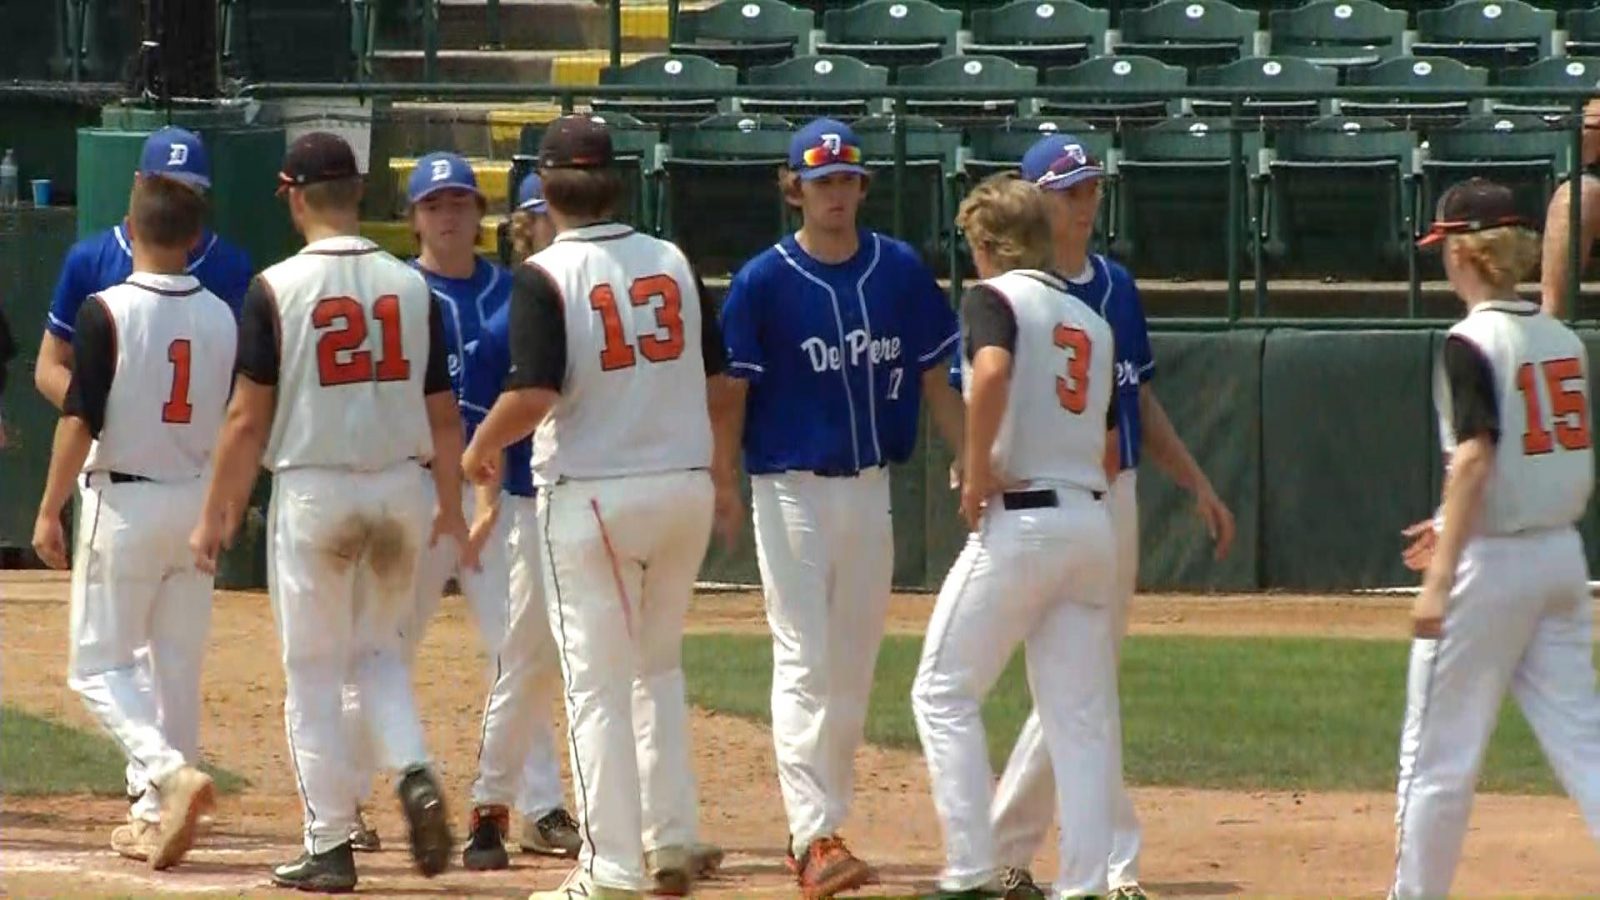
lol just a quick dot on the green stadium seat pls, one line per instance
(931, 151)
(1190, 33)
(1339, 33)
(1329, 174)
(1557, 72)
(805, 72)
(1522, 152)
(712, 172)
(1000, 148)
(633, 143)
(1406, 72)
(662, 71)
(959, 73)
(744, 33)
(1289, 72)
(1491, 33)
(891, 33)
(1583, 32)
(1172, 196)
(288, 40)
(1040, 33)
(1129, 72)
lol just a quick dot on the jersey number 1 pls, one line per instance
(656, 347)
(1073, 389)
(178, 410)
(1568, 405)
(340, 358)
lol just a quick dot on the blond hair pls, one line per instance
(1008, 219)
(522, 236)
(1504, 256)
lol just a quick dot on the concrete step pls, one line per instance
(527, 66)
(552, 25)
(490, 131)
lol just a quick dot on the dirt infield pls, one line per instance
(1198, 843)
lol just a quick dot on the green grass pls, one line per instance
(1238, 713)
(41, 757)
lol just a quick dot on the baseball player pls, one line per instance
(102, 261)
(1505, 600)
(1555, 270)
(151, 363)
(613, 360)
(1024, 802)
(834, 334)
(531, 229)
(343, 390)
(1038, 566)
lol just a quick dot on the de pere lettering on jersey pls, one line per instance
(827, 357)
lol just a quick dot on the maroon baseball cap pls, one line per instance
(575, 142)
(1474, 205)
(315, 157)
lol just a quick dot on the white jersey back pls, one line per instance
(174, 349)
(1054, 427)
(1544, 464)
(633, 398)
(353, 339)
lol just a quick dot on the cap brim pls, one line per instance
(1053, 182)
(1432, 240)
(834, 169)
(192, 179)
(432, 189)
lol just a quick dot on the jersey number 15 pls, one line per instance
(1568, 405)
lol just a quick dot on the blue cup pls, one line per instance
(41, 192)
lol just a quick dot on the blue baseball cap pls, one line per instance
(824, 147)
(178, 154)
(1058, 162)
(530, 194)
(441, 171)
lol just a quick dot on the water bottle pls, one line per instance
(8, 179)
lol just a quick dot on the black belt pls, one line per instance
(1043, 498)
(125, 478)
(842, 472)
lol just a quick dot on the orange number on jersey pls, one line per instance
(656, 347)
(340, 359)
(178, 410)
(1073, 390)
(1568, 406)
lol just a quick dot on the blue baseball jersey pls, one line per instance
(105, 259)
(1107, 288)
(834, 354)
(476, 372)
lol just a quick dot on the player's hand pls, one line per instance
(1427, 611)
(50, 542)
(452, 525)
(207, 541)
(479, 466)
(1419, 553)
(956, 476)
(727, 515)
(1217, 517)
(477, 538)
(976, 490)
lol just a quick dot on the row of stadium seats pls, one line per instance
(1128, 74)
(1338, 197)
(1342, 34)
(1117, 7)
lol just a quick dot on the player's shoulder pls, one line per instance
(895, 252)
(89, 252)
(1116, 273)
(219, 251)
(762, 269)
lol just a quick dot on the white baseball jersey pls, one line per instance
(171, 349)
(633, 393)
(1544, 464)
(1054, 428)
(354, 348)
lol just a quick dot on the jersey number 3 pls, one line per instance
(340, 357)
(664, 345)
(1569, 406)
(1073, 388)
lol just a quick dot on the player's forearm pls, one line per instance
(514, 416)
(947, 408)
(52, 371)
(237, 458)
(444, 422)
(1555, 268)
(486, 500)
(725, 400)
(1470, 467)
(68, 451)
(1162, 444)
(986, 405)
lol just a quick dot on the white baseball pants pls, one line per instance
(619, 559)
(826, 551)
(343, 547)
(1519, 616)
(1024, 801)
(516, 757)
(135, 587)
(1041, 578)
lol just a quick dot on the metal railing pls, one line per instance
(897, 99)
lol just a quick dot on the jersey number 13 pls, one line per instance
(665, 344)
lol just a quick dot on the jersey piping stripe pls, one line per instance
(942, 349)
(1433, 650)
(566, 678)
(872, 373)
(1124, 435)
(1510, 307)
(744, 365)
(577, 234)
(461, 350)
(165, 292)
(122, 241)
(844, 374)
(272, 595)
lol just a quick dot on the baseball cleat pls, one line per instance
(185, 794)
(1018, 884)
(828, 868)
(671, 870)
(577, 886)
(486, 844)
(1128, 892)
(329, 872)
(136, 839)
(705, 860)
(364, 838)
(554, 834)
(429, 826)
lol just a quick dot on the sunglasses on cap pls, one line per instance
(822, 155)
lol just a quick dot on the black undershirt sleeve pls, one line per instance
(1474, 409)
(258, 357)
(712, 349)
(538, 331)
(987, 321)
(94, 364)
(436, 379)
